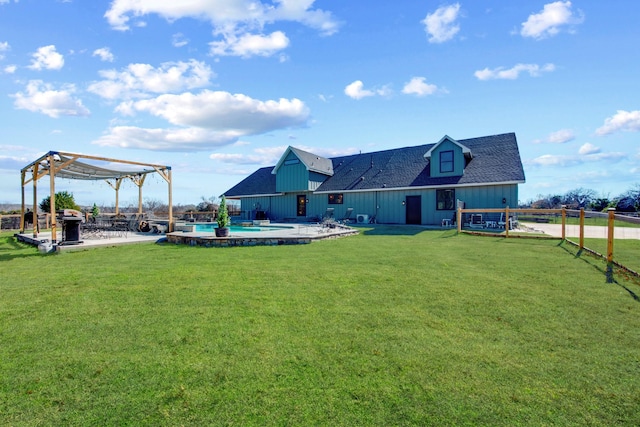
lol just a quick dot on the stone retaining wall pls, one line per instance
(234, 241)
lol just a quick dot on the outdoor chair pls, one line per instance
(328, 214)
(347, 216)
(476, 221)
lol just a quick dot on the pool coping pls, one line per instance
(285, 234)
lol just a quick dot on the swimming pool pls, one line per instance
(210, 227)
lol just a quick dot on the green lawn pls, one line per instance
(395, 326)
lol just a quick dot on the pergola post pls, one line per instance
(52, 207)
(35, 200)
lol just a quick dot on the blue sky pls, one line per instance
(218, 88)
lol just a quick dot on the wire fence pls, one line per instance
(615, 237)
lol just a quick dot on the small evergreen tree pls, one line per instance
(223, 214)
(95, 211)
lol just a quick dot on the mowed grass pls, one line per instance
(395, 326)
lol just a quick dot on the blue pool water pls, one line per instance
(210, 228)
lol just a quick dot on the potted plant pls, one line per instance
(222, 219)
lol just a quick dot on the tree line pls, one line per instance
(629, 201)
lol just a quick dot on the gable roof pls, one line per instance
(465, 150)
(312, 162)
(496, 160)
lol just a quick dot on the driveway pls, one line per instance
(591, 231)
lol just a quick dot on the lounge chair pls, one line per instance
(347, 216)
(476, 221)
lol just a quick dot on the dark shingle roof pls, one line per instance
(496, 159)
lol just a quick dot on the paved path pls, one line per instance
(591, 231)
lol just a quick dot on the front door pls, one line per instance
(414, 209)
(302, 205)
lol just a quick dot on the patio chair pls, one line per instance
(328, 214)
(347, 216)
(502, 223)
(476, 221)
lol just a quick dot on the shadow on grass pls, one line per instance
(10, 248)
(397, 230)
(607, 271)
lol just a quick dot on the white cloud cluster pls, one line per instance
(47, 58)
(621, 121)
(205, 120)
(4, 46)
(356, 90)
(513, 73)
(441, 25)
(43, 98)
(562, 136)
(247, 45)
(141, 80)
(104, 53)
(550, 20)
(419, 86)
(179, 40)
(238, 22)
(588, 153)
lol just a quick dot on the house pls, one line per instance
(411, 185)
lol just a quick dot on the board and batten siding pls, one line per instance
(385, 205)
(458, 159)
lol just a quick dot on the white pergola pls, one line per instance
(58, 164)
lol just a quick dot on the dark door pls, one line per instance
(414, 209)
(302, 205)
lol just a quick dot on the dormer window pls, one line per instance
(446, 161)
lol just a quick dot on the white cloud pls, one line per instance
(441, 24)
(141, 80)
(47, 58)
(160, 139)
(43, 98)
(228, 17)
(549, 21)
(418, 86)
(562, 136)
(225, 111)
(621, 121)
(270, 155)
(247, 45)
(356, 90)
(10, 69)
(179, 40)
(205, 120)
(4, 46)
(104, 53)
(588, 148)
(513, 73)
(573, 160)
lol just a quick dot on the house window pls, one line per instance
(445, 200)
(291, 162)
(446, 161)
(335, 199)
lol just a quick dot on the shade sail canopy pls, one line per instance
(67, 165)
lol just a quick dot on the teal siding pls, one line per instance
(385, 205)
(294, 177)
(458, 159)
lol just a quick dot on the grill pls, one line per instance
(70, 220)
